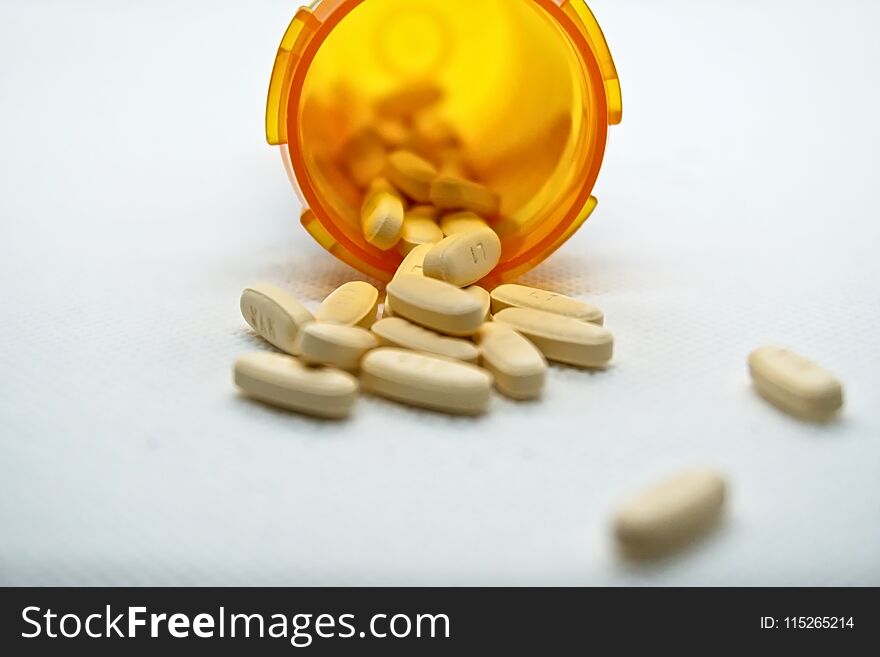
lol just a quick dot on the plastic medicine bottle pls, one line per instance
(528, 85)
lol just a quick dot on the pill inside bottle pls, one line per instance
(517, 136)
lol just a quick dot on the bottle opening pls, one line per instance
(503, 92)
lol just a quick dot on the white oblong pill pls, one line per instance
(285, 382)
(562, 339)
(671, 513)
(518, 366)
(352, 304)
(275, 315)
(795, 384)
(481, 295)
(520, 296)
(398, 332)
(426, 381)
(464, 258)
(436, 305)
(414, 261)
(382, 219)
(335, 345)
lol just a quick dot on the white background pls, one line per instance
(738, 206)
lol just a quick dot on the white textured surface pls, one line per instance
(738, 206)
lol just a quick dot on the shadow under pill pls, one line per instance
(323, 425)
(254, 340)
(657, 557)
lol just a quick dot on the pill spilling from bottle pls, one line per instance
(417, 192)
(441, 337)
(441, 349)
(435, 343)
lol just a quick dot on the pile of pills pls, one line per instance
(440, 341)
(438, 345)
(409, 169)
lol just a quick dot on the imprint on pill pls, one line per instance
(426, 381)
(464, 258)
(274, 315)
(413, 262)
(520, 296)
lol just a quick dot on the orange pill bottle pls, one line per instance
(528, 86)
